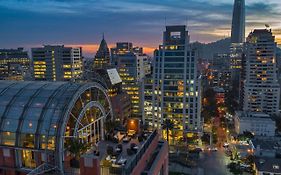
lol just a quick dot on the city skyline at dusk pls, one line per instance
(73, 23)
(140, 87)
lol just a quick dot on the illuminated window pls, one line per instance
(27, 159)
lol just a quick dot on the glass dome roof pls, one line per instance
(34, 109)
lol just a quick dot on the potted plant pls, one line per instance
(76, 148)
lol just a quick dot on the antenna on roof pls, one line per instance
(165, 21)
(267, 25)
(186, 20)
(103, 35)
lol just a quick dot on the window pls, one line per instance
(27, 140)
(27, 159)
(9, 138)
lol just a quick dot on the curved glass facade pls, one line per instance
(40, 115)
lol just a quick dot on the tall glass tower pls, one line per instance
(237, 40)
(238, 22)
(174, 91)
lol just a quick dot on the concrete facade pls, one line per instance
(259, 124)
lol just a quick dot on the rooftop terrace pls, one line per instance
(123, 153)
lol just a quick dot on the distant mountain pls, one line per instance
(206, 51)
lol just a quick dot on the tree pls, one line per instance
(278, 122)
(168, 125)
(231, 101)
(246, 136)
(250, 159)
(209, 105)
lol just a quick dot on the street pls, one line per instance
(213, 163)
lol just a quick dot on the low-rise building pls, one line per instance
(14, 64)
(267, 166)
(150, 157)
(241, 150)
(266, 147)
(257, 123)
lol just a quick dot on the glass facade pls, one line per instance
(132, 65)
(14, 64)
(33, 116)
(173, 90)
(56, 63)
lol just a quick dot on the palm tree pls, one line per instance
(76, 148)
(168, 125)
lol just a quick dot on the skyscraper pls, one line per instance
(261, 92)
(56, 63)
(236, 45)
(102, 58)
(174, 91)
(132, 65)
(238, 22)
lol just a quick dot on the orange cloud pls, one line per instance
(148, 50)
(91, 49)
(88, 49)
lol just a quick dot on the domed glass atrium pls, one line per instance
(36, 119)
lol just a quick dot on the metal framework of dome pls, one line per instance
(42, 115)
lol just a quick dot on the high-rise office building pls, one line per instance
(236, 46)
(218, 73)
(57, 63)
(102, 58)
(235, 57)
(238, 22)
(14, 64)
(132, 65)
(261, 91)
(237, 35)
(173, 90)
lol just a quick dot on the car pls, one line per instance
(225, 145)
(213, 149)
(242, 165)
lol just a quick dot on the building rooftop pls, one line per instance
(218, 89)
(126, 150)
(250, 115)
(266, 144)
(271, 165)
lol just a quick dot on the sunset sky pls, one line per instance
(31, 23)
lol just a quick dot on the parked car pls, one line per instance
(225, 145)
